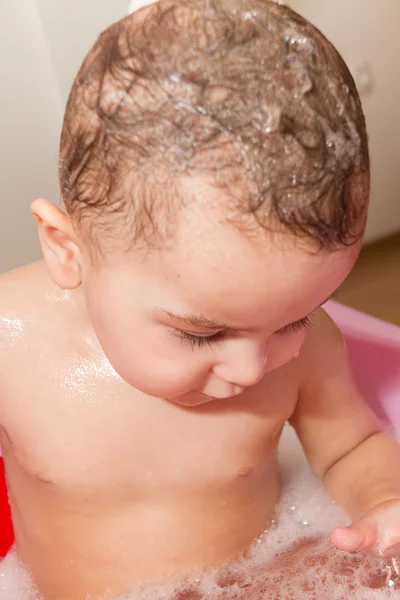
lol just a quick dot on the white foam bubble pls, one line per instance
(294, 560)
(15, 582)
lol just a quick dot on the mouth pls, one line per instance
(208, 397)
(196, 398)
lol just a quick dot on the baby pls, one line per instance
(214, 169)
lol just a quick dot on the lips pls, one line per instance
(221, 397)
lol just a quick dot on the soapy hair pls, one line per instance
(246, 93)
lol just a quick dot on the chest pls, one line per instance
(76, 425)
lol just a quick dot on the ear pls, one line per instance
(61, 252)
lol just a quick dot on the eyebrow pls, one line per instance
(198, 321)
(204, 323)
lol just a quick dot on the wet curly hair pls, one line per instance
(244, 92)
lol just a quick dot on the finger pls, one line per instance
(347, 539)
(357, 537)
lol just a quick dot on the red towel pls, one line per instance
(6, 528)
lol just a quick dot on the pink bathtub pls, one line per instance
(374, 348)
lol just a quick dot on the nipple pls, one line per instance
(43, 477)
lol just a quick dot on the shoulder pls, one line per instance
(324, 328)
(324, 344)
(24, 295)
(331, 417)
(22, 277)
(324, 361)
(30, 320)
(21, 288)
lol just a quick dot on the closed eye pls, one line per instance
(200, 340)
(301, 325)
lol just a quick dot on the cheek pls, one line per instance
(284, 347)
(147, 356)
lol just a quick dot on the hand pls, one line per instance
(378, 532)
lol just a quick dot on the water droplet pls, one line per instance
(174, 77)
(294, 180)
(201, 109)
(339, 109)
(248, 15)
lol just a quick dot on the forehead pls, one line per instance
(218, 272)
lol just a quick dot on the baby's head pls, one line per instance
(214, 167)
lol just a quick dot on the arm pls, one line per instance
(342, 438)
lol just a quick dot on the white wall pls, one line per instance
(30, 117)
(42, 43)
(366, 32)
(71, 27)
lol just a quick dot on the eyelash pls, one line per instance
(301, 325)
(200, 341)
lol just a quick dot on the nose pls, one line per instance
(244, 369)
